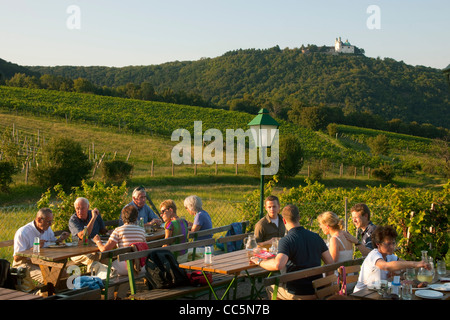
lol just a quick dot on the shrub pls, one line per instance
(62, 162)
(116, 170)
(385, 172)
(109, 201)
(7, 170)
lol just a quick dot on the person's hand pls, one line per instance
(350, 238)
(96, 238)
(95, 213)
(423, 264)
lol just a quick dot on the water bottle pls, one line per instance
(36, 245)
(208, 256)
(85, 236)
(395, 288)
(141, 223)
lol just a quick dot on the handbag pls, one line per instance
(343, 291)
(197, 279)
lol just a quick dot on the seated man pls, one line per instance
(83, 217)
(271, 225)
(139, 197)
(299, 249)
(24, 239)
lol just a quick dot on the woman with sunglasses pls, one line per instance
(381, 261)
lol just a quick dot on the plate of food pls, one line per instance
(419, 285)
(54, 245)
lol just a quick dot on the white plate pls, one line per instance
(429, 294)
(440, 286)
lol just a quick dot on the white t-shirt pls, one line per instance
(370, 273)
(24, 237)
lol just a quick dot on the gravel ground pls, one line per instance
(243, 290)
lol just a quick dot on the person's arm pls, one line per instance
(400, 265)
(362, 248)
(111, 244)
(334, 249)
(278, 263)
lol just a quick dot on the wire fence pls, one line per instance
(222, 212)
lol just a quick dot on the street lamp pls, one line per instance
(446, 71)
(263, 128)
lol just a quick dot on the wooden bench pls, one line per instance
(324, 269)
(111, 255)
(78, 294)
(213, 231)
(171, 293)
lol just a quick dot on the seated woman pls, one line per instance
(174, 225)
(123, 236)
(202, 221)
(340, 248)
(381, 260)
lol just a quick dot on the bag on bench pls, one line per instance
(162, 271)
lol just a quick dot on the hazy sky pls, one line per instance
(145, 32)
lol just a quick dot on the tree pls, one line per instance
(62, 162)
(379, 145)
(291, 156)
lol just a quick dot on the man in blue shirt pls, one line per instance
(139, 201)
(299, 249)
(361, 219)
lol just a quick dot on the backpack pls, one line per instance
(6, 279)
(162, 271)
(236, 228)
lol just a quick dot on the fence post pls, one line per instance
(345, 211)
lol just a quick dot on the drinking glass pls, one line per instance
(441, 267)
(410, 274)
(383, 290)
(407, 291)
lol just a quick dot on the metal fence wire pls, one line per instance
(222, 212)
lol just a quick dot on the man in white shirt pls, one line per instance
(24, 239)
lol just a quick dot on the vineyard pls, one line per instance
(161, 119)
(123, 127)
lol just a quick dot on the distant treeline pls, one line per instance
(315, 117)
(281, 78)
(143, 91)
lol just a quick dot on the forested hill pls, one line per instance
(282, 78)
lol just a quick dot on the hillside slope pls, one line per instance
(353, 82)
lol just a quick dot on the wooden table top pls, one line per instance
(372, 294)
(9, 294)
(226, 263)
(63, 252)
(59, 253)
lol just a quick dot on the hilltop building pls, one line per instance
(339, 48)
(343, 47)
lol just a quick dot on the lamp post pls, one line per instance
(263, 128)
(446, 71)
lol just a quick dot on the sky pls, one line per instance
(148, 32)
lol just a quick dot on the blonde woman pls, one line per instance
(340, 248)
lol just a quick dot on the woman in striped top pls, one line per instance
(123, 236)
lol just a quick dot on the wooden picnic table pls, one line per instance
(10, 294)
(232, 263)
(372, 294)
(53, 260)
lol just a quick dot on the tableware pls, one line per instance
(425, 275)
(429, 294)
(410, 274)
(441, 267)
(406, 291)
(440, 286)
(384, 288)
(61, 245)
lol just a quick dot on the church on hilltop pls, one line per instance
(339, 48)
(343, 47)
